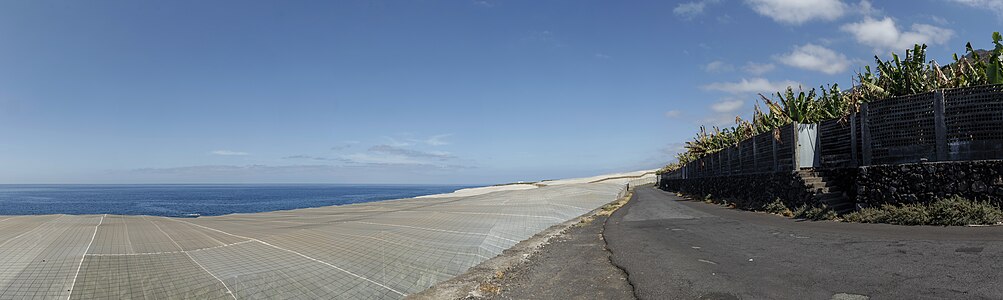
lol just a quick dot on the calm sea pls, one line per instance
(207, 200)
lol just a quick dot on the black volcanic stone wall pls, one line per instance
(926, 182)
(746, 191)
(868, 186)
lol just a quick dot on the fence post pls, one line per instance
(794, 146)
(740, 158)
(731, 152)
(720, 164)
(939, 125)
(853, 139)
(865, 135)
(727, 160)
(776, 164)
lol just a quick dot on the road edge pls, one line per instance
(469, 284)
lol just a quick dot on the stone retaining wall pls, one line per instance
(926, 182)
(867, 186)
(746, 191)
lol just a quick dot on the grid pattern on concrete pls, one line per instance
(380, 250)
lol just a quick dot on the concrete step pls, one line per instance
(811, 173)
(830, 196)
(819, 183)
(842, 208)
(826, 190)
(837, 202)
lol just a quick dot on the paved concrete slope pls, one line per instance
(374, 250)
(677, 249)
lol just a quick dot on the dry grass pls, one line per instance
(945, 212)
(489, 288)
(608, 209)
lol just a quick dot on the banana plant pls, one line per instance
(994, 68)
(899, 76)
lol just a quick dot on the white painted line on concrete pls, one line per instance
(29, 230)
(294, 252)
(433, 229)
(572, 206)
(81, 264)
(167, 252)
(128, 241)
(492, 214)
(228, 291)
(405, 245)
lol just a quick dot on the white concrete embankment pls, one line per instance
(384, 249)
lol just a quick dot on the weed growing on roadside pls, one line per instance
(778, 207)
(815, 212)
(955, 211)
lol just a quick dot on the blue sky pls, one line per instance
(416, 91)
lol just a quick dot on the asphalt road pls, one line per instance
(673, 248)
(574, 265)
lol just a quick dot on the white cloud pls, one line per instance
(690, 10)
(995, 6)
(396, 143)
(718, 66)
(229, 153)
(884, 35)
(797, 12)
(602, 56)
(437, 140)
(673, 113)
(755, 85)
(674, 148)
(724, 19)
(758, 68)
(719, 120)
(728, 105)
(816, 58)
(484, 3)
(391, 155)
(866, 9)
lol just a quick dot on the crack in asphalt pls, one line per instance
(609, 256)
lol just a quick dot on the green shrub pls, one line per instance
(955, 211)
(778, 207)
(815, 212)
(959, 211)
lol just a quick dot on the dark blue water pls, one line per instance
(207, 200)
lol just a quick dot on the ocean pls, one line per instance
(206, 200)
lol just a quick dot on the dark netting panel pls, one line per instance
(785, 148)
(902, 129)
(748, 156)
(710, 168)
(834, 137)
(974, 119)
(700, 168)
(695, 169)
(734, 160)
(860, 138)
(719, 163)
(764, 152)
